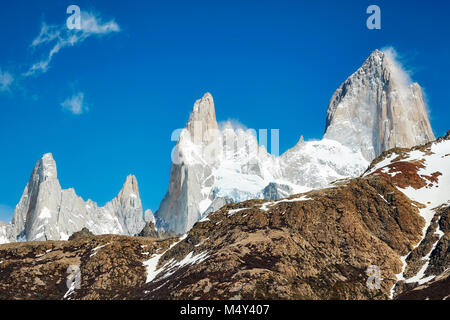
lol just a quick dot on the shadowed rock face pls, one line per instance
(275, 191)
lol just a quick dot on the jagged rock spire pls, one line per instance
(202, 122)
(127, 207)
(194, 156)
(130, 190)
(39, 202)
(47, 167)
(378, 108)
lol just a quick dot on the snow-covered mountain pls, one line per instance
(46, 212)
(372, 111)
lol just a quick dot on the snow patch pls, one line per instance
(231, 212)
(267, 205)
(152, 263)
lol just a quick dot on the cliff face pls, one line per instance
(378, 108)
(321, 244)
(47, 212)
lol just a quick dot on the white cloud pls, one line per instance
(399, 71)
(233, 124)
(6, 79)
(59, 37)
(402, 75)
(90, 24)
(75, 104)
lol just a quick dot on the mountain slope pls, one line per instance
(47, 212)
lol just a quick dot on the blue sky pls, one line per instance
(106, 102)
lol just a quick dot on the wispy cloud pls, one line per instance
(57, 37)
(232, 124)
(399, 70)
(402, 74)
(6, 79)
(75, 104)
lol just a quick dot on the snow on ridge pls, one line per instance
(432, 197)
(233, 211)
(265, 206)
(151, 266)
(152, 263)
(171, 267)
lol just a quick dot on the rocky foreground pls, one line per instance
(317, 245)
